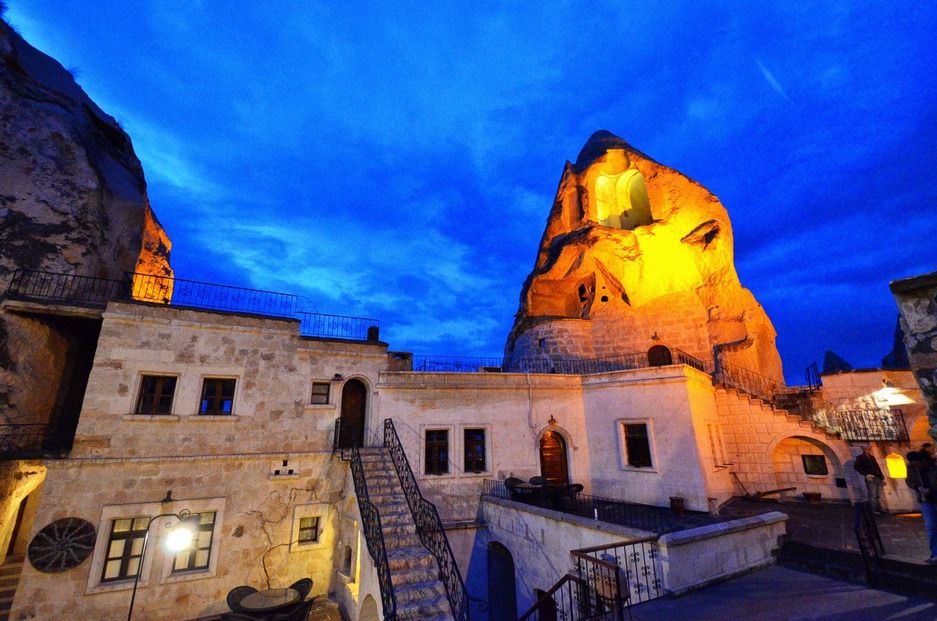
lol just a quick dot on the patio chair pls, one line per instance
(303, 587)
(539, 481)
(511, 483)
(236, 616)
(235, 596)
(299, 612)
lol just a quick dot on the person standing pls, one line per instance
(923, 476)
(866, 465)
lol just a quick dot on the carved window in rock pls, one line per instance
(815, 465)
(475, 450)
(156, 395)
(124, 549)
(217, 396)
(637, 443)
(621, 200)
(437, 451)
(198, 555)
(320, 393)
(308, 530)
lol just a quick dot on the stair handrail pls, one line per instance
(373, 535)
(870, 541)
(428, 526)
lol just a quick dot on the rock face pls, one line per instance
(72, 200)
(917, 303)
(637, 255)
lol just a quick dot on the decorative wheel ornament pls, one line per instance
(61, 545)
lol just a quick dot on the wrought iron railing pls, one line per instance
(606, 581)
(18, 441)
(745, 380)
(87, 291)
(374, 536)
(567, 366)
(870, 541)
(865, 425)
(812, 375)
(428, 526)
(643, 517)
(68, 289)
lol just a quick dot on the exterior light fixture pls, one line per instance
(887, 383)
(338, 377)
(180, 538)
(552, 421)
(897, 468)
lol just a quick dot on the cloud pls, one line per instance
(772, 81)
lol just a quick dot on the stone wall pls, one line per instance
(917, 303)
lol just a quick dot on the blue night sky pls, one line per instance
(400, 163)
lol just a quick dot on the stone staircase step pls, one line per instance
(414, 575)
(409, 557)
(406, 540)
(421, 609)
(417, 591)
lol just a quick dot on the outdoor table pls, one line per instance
(270, 600)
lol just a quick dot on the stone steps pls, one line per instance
(414, 573)
(9, 579)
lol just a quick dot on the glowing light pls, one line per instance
(897, 468)
(179, 539)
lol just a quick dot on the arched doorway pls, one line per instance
(354, 402)
(502, 593)
(553, 464)
(369, 610)
(809, 465)
(659, 356)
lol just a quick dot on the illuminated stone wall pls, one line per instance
(917, 303)
(645, 255)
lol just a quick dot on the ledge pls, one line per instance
(159, 418)
(723, 528)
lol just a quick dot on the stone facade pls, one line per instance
(917, 303)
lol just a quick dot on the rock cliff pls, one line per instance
(637, 255)
(72, 200)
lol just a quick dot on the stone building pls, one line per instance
(639, 376)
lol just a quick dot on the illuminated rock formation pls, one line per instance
(72, 200)
(636, 255)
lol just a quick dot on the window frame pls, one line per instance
(324, 533)
(157, 394)
(430, 449)
(127, 554)
(623, 439)
(812, 457)
(219, 396)
(197, 547)
(483, 443)
(328, 393)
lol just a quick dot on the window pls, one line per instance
(198, 555)
(217, 396)
(156, 393)
(124, 549)
(475, 450)
(716, 446)
(309, 529)
(437, 451)
(637, 445)
(815, 465)
(320, 392)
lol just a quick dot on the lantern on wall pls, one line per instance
(897, 468)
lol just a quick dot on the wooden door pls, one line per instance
(553, 465)
(354, 402)
(502, 591)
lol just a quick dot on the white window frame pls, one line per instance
(623, 445)
(320, 510)
(330, 396)
(154, 553)
(488, 457)
(454, 470)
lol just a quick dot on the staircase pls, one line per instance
(414, 573)
(9, 577)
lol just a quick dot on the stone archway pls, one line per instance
(502, 592)
(810, 466)
(354, 407)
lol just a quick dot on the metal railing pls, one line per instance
(374, 536)
(428, 526)
(570, 366)
(606, 581)
(865, 425)
(812, 375)
(870, 541)
(643, 517)
(87, 291)
(50, 287)
(23, 441)
(745, 380)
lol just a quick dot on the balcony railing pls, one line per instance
(745, 380)
(643, 517)
(87, 291)
(881, 425)
(583, 366)
(32, 441)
